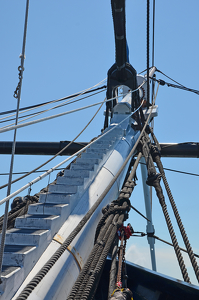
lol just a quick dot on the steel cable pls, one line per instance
(28, 108)
(147, 51)
(32, 115)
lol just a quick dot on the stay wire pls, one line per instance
(73, 97)
(147, 50)
(54, 101)
(153, 38)
(177, 171)
(142, 234)
(166, 169)
(181, 87)
(62, 114)
(169, 77)
(32, 115)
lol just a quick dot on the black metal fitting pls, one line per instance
(148, 129)
(155, 152)
(151, 179)
(161, 82)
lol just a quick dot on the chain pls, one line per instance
(20, 69)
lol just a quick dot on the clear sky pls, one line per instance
(70, 47)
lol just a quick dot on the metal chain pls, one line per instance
(16, 92)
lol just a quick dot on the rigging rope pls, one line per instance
(156, 156)
(153, 39)
(167, 169)
(147, 51)
(169, 77)
(83, 92)
(27, 108)
(142, 234)
(49, 117)
(26, 117)
(65, 113)
(181, 87)
(154, 180)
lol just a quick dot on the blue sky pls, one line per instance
(70, 47)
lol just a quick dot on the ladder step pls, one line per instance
(15, 255)
(57, 198)
(67, 180)
(47, 208)
(8, 271)
(96, 150)
(24, 236)
(83, 166)
(94, 161)
(92, 155)
(69, 189)
(36, 221)
(75, 174)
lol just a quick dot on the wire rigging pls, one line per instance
(66, 103)
(63, 113)
(179, 86)
(153, 38)
(54, 107)
(147, 50)
(142, 234)
(40, 171)
(74, 97)
(54, 101)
